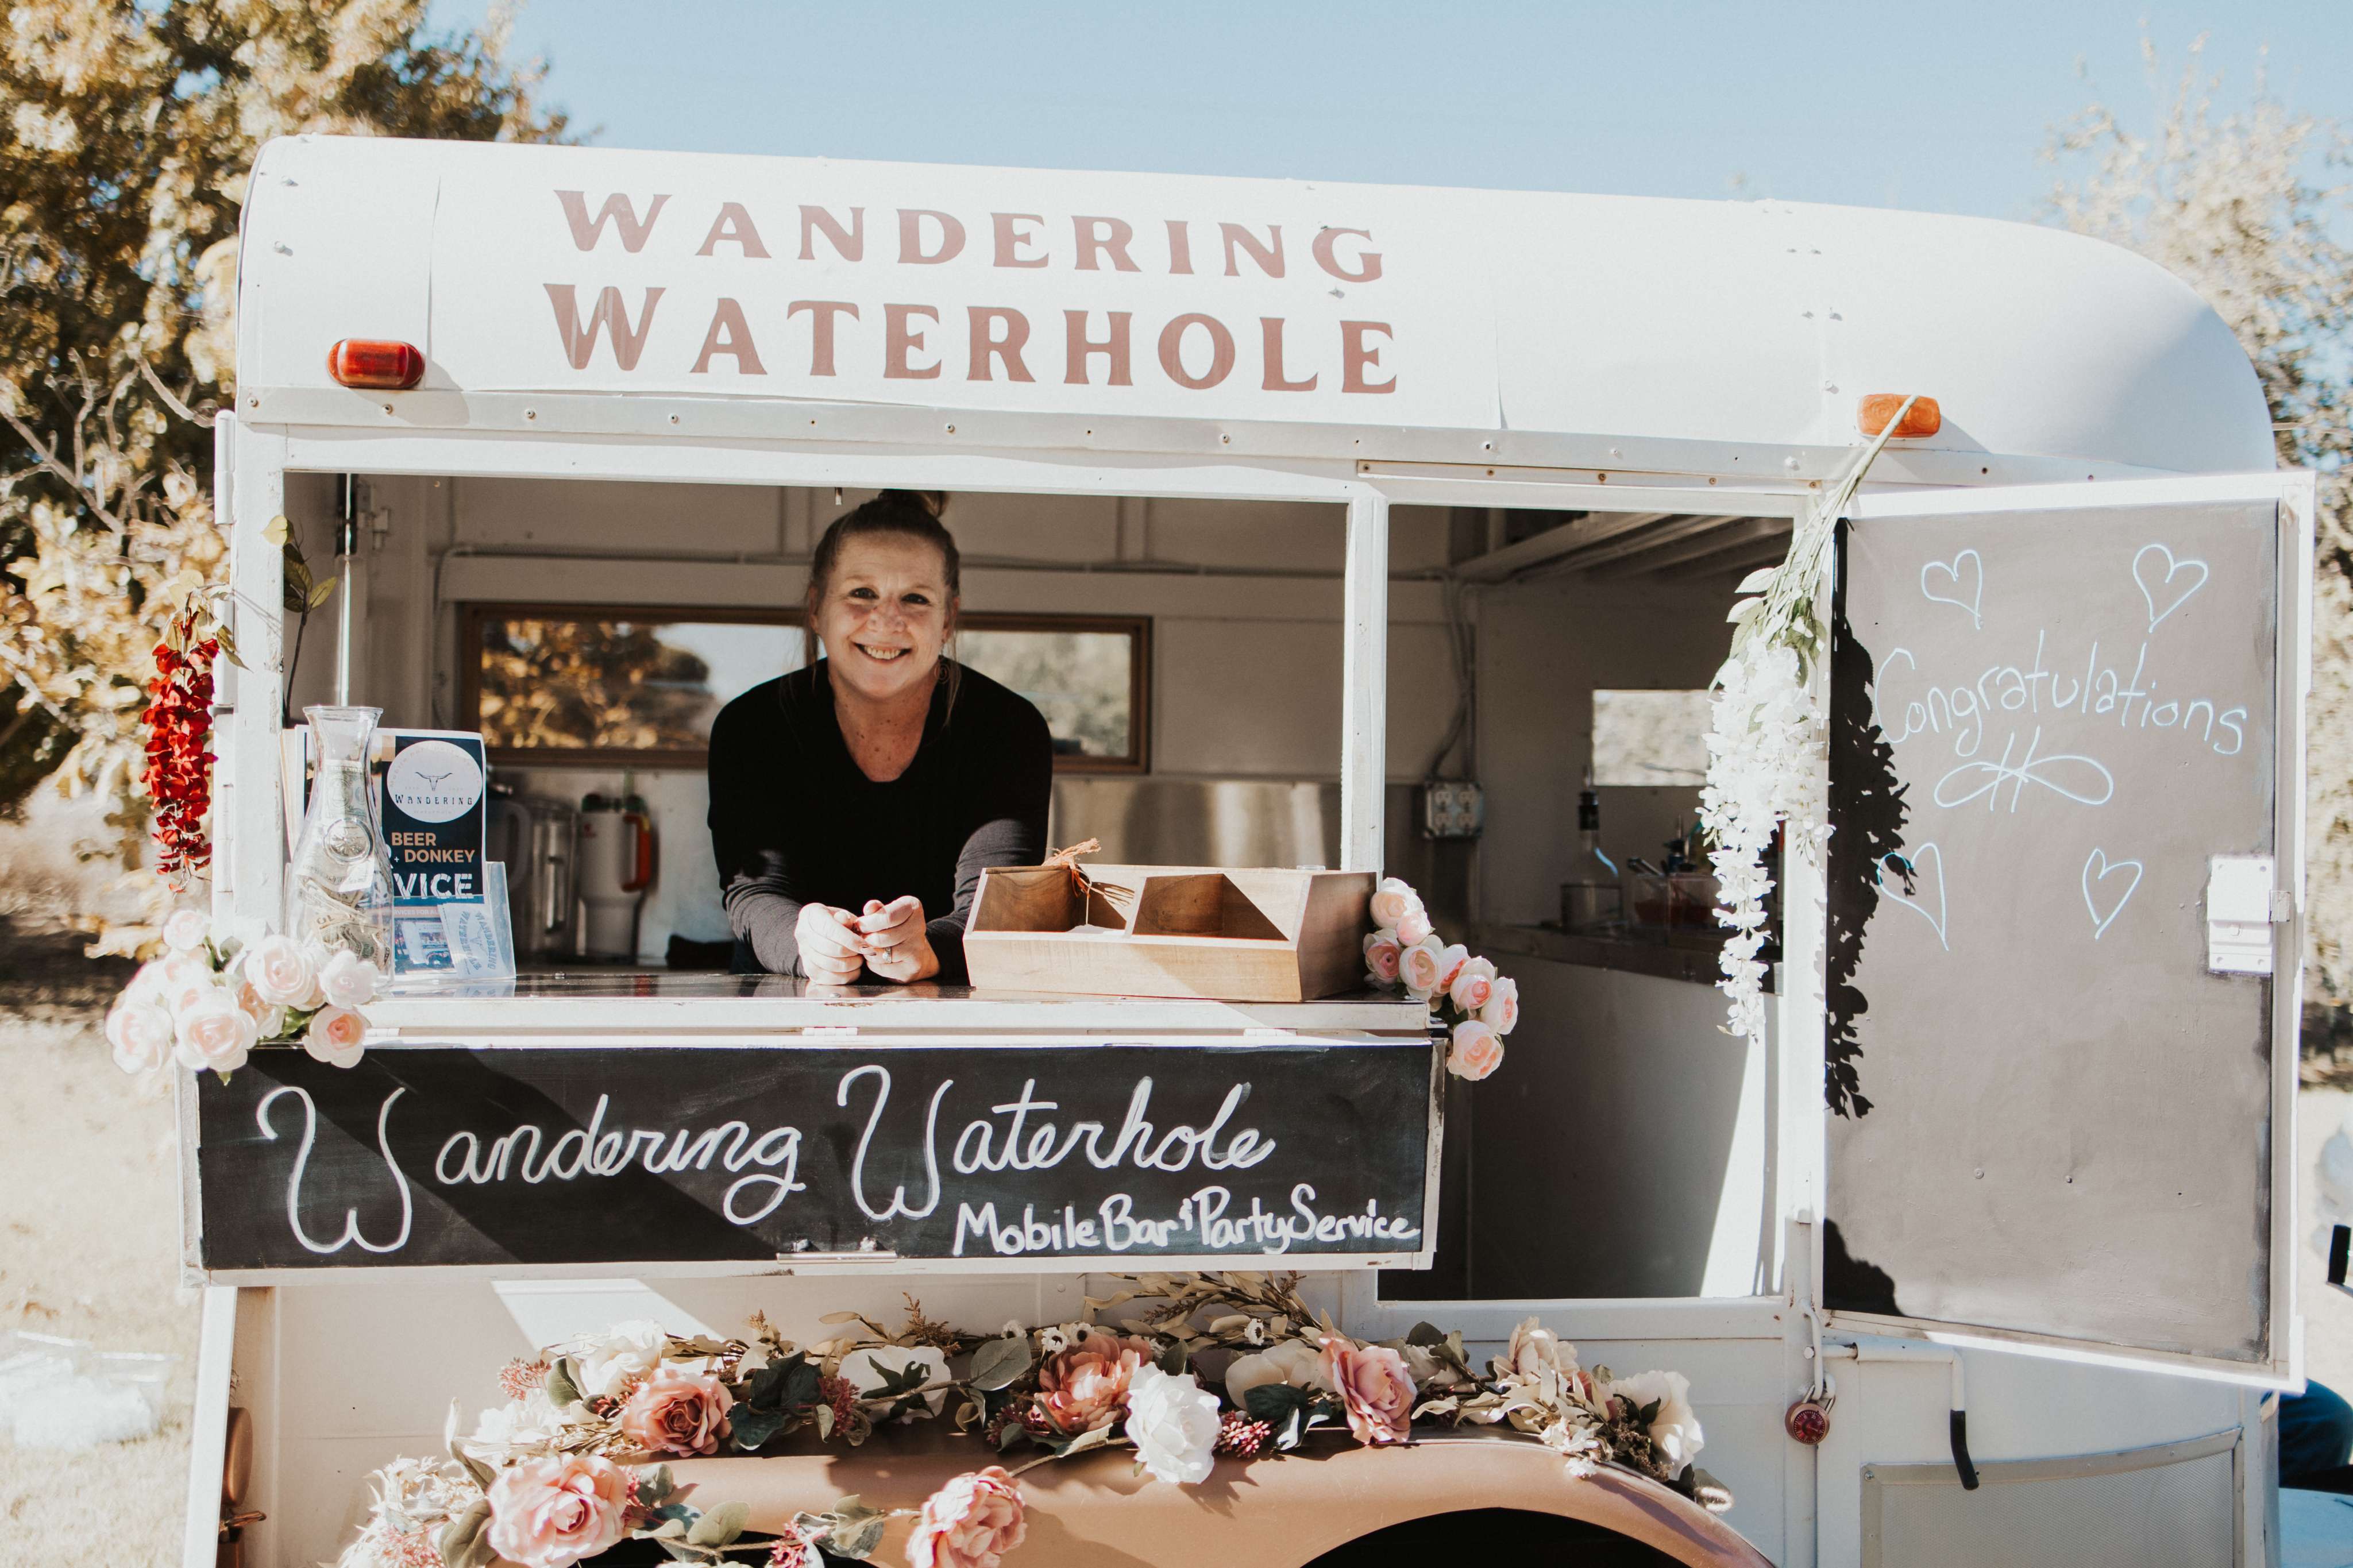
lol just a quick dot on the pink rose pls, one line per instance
(1375, 1388)
(1417, 967)
(1477, 1050)
(1085, 1387)
(1382, 951)
(347, 980)
(1391, 900)
(677, 1412)
(1414, 926)
(185, 931)
(971, 1522)
(140, 1035)
(1472, 985)
(1450, 960)
(1502, 1013)
(183, 991)
(214, 1032)
(335, 1036)
(280, 971)
(551, 1513)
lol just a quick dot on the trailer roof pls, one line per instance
(1374, 322)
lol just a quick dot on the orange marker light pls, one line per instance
(379, 365)
(1878, 407)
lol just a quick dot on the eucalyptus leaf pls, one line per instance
(997, 1362)
(654, 1486)
(856, 1538)
(720, 1525)
(462, 1534)
(1174, 1362)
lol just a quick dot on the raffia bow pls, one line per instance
(1084, 885)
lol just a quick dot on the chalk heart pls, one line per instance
(2098, 869)
(1927, 870)
(2166, 582)
(1963, 576)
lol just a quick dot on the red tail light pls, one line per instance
(1924, 418)
(378, 364)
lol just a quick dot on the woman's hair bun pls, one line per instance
(933, 503)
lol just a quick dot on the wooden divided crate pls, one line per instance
(1233, 934)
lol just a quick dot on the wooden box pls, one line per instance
(1228, 933)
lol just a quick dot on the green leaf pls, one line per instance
(561, 1390)
(720, 1525)
(749, 1428)
(1756, 581)
(1274, 1403)
(1647, 1414)
(1174, 1362)
(1099, 1439)
(856, 1538)
(1425, 1335)
(462, 1534)
(655, 1483)
(229, 646)
(276, 531)
(322, 593)
(998, 1361)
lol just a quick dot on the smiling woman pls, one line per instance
(854, 802)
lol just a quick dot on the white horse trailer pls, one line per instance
(1322, 441)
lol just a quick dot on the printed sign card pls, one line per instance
(432, 788)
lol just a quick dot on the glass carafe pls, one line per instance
(339, 888)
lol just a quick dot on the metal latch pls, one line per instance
(2242, 904)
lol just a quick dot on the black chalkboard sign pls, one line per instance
(2050, 1114)
(1013, 1154)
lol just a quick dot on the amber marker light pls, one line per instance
(1878, 407)
(378, 364)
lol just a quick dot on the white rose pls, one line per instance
(1294, 1361)
(1414, 926)
(185, 931)
(334, 1036)
(1391, 900)
(214, 1032)
(625, 1350)
(1472, 986)
(1502, 1013)
(1675, 1429)
(140, 1035)
(279, 971)
(868, 1369)
(1173, 1422)
(1536, 1349)
(348, 981)
(1419, 968)
(527, 1423)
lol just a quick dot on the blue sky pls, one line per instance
(1943, 108)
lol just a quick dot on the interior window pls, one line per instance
(639, 686)
(1656, 739)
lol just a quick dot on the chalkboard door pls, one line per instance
(2062, 717)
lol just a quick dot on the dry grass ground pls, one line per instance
(89, 1247)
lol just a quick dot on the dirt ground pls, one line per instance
(89, 1242)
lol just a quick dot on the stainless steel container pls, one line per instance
(1590, 907)
(539, 841)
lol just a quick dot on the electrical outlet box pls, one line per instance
(1452, 808)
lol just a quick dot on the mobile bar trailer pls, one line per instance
(2016, 1143)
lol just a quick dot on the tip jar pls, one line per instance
(339, 888)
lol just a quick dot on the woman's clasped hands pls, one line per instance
(891, 941)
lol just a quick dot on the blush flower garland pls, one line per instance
(1767, 736)
(1478, 1005)
(209, 1000)
(1219, 1367)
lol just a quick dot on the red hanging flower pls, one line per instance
(179, 774)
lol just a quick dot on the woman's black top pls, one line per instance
(794, 821)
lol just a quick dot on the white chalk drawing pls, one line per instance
(2098, 870)
(1926, 853)
(2163, 588)
(2066, 773)
(1951, 572)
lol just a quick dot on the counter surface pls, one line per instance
(659, 1002)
